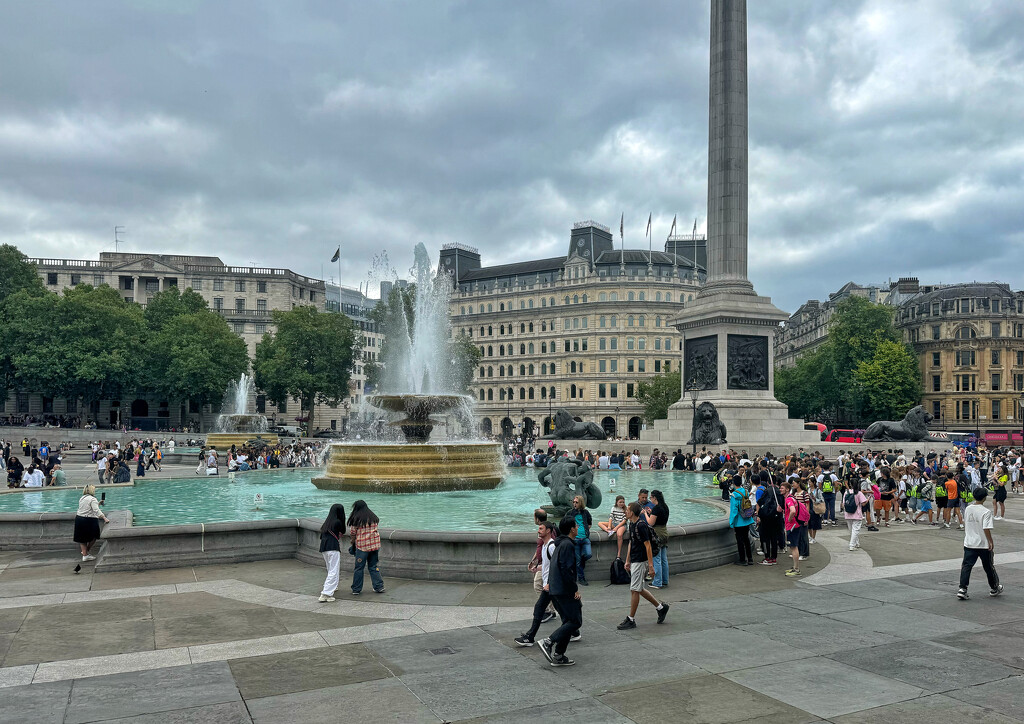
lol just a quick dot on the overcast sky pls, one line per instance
(885, 137)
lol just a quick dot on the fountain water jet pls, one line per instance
(235, 426)
(418, 381)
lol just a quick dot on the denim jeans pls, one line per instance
(830, 507)
(583, 555)
(367, 559)
(660, 567)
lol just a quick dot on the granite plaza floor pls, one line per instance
(865, 636)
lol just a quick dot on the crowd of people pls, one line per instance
(267, 457)
(42, 464)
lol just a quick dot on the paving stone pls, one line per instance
(930, 666)
(35, 703)
(102, 581)
(739, 610)
(16, 675)
(57, 570)
(885, 591)
(148, 692)
(590, 711)
(99, 613)
(926, 710)
(981, 608)
(440, 618)
(73, 640)
(817, 600)
(256, 647)
(116, 664)
(905, 622)
(137, 592)
(234, 713)
(816, 633)
(456, 648)
(217, 626)
(177, 605)
(431, 593)
(299, 621)
(11, 619)
(1002, 645)
(43, 586)
(500, 594)
(726, 649)
(1005, 696)
(260, 676)
(369, 632)
(702, 700)
(488, 687)
(813, 685)
(354, 702)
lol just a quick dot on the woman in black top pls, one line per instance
(657, 518)
(330, 547)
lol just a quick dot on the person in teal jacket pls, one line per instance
(741, 525)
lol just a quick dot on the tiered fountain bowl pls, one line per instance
(239, 430)
(418, 465)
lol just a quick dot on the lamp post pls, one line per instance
(693, 390)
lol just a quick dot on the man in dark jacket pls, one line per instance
(564, 594)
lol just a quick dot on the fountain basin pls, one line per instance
(412, 468)
(224, 440)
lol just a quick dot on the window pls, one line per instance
(218, 285)
(282, 406)
(614, 297)
(613, 365)
(936, 331)
(239, 327)
(614, 323)
(641, 298)
(602, 391)
(613, 343)
(936, 359)
(965, 383)
(76, 279)
(543, 393)
(630, 321)
(996, 380)
(1018, 383)
(98, 279)
(997, 409)
(668, 365)
(641, 343)
(51, 278)
(218, 303)
(260, 328)
(240, 285)
(997, 329)
(630, 342)
(522, 370)
(657, 321)
(629, 297)
(641, 365)
(261, 305)
(614, 389)
(966, 332)
(602, 297)
(1020, 358)
(601, 343)
(936, 410)
(642, 321)
(996, 356)
(629, 389)
(602, 365)
(239, 304)
(965, 358)
(197, 284)
(936, 383)
(261, 287)
(630, 366)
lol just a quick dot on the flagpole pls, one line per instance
(622, 245)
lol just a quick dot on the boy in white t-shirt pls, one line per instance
(978, 543)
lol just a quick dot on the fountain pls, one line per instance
(235, 426)
(417, 382)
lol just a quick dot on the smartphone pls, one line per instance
(103, 498)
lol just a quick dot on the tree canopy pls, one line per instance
(309, 357)
(657, 393)
(860, 373)
(17, 274)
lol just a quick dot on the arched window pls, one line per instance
(641, 296)
(522, 304)
(657, 321)
(470, 308)
(510, 393)
(481, 395)
(543, 326)
(657, 343)
(530, 393)
(462, 310)
(602, 297)
(641, 343)
(522, 370)
(966, 332)
(490, 395)
(566, 298)
(551, 368)
(490, 307)
(543, 393)
(572, 370)
(543, 347)
(551, 302)
(584, 298)
(522, 328)
(543, 301)
(481, 351)
(501, 371)
(501, 394)
(530, 304)
(630, 342)
(630, 321)
(522, 348)
(490, 331)
(530, 327)
(483, 372)
(522, 393)
(668, 296)
(643, 321)
(482, 331)
(490, 372)
(529, 348)
(657, 296)
(615, 296)
(501, 351)
(575, 298)
(531, 370)
(572, 391)
(615, 322)
(630, 297)
(575, 322)
(689, 298)
(501, 307)
(501, 329)
(601, 321)
(490, 351)
(551, 392)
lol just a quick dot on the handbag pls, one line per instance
(819, 508)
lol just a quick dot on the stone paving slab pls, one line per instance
(319, 668)
(817, 633)
(926, 710)
(363, 702)
(103, 665)
(256, 647)
(1006, 647)
(885, 591)
(981, 608)
(727, 649)
(905, 622)
(35, 704)
(428, 651)
(824, 687)
(44, 586)
(233, 713)
(1005, 696)
(71, 639)
(590, 711)
(704, 699)
(817, 600)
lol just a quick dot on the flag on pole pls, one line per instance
(673, 229)
(647, 233)
(337, 255)
(622, 220)
(695, 226)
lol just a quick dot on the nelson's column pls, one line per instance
(728, 329)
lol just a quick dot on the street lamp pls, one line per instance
(693, 390)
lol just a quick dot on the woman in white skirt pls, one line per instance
(330, 547)
(87, 522)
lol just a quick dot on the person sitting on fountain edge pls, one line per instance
(582, 540)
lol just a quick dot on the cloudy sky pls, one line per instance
(886, 137)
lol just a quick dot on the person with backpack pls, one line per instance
(540, 608)
(640, 559)
(565, 594)
(978, 544)
(925, 493)
(853, 512)
(827, 482)
(741, 517)
(795, 517)
(657, 518)
(769, 518)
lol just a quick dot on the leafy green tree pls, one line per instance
(465, 358)
(86, 344)
(17, 274)
(889, 383)
(309, 357)
(192, 353)
(657, 393)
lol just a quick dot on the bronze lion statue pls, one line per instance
(566, 428)
(708, 428)
(912, 428)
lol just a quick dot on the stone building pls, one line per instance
(357, 306)
(576, 331)
(969, 339)
(245, 296)
(807, 328)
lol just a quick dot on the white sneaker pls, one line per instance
(326, 599)
(803, 558)
(852, 548)
(88, 558)
(813, 541)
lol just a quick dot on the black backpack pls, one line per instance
(654, 537)
(619, 574)
(769, 503)
(850, 501)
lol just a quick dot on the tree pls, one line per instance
(87, 344)
(192, 353)
(309, 357)
(889, 383)
(17, 274)
(657, 393)
(465, 358)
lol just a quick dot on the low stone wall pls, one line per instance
(50, 531)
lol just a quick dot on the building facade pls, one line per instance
(357, 306)
(244, 296)
(577, 331)
(969, 339)
(807, 328)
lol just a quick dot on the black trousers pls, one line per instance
(971, 556)
(538, 612)
(571, 613)
(743, 543)
(771, 531)
(805, 541)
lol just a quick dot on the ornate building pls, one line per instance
(970, 342)
(575, 331)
